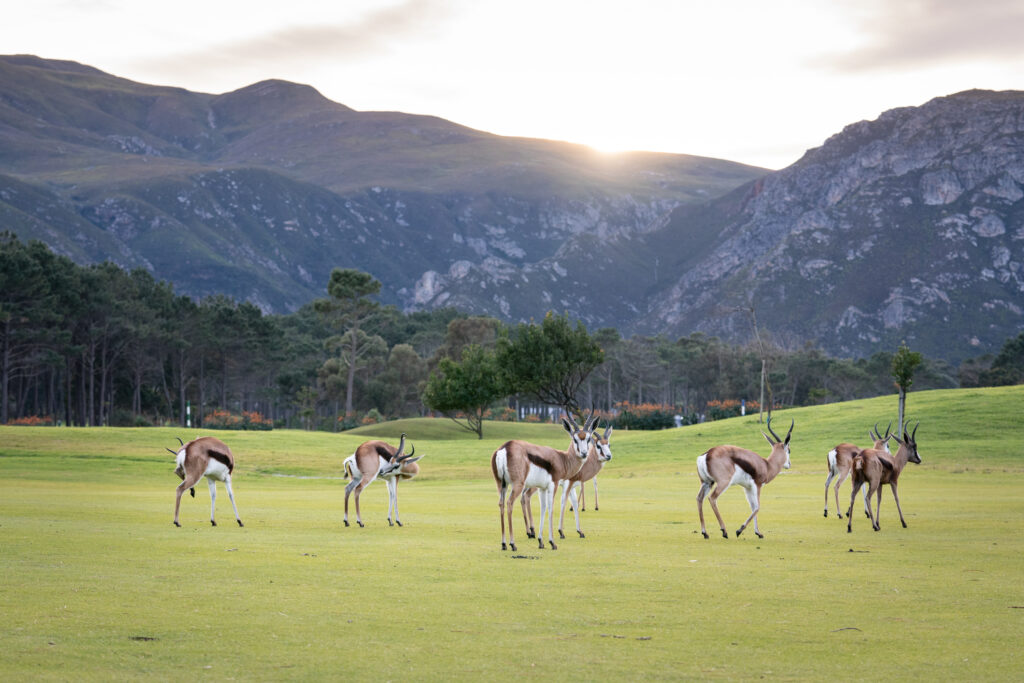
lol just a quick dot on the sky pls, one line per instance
(754, 81)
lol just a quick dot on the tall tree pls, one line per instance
(467, 388)
(349, 308)
(549, 361)
(904, 362)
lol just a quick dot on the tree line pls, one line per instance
(100, 345)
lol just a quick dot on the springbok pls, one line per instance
(599, 454)
(722, 466)
(872, 467)
(204, 457)
(840, 460)
(367, 463)
(520, 465)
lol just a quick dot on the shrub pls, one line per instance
(223, 419)
(504, 414)
(644, 416)
(372, 417)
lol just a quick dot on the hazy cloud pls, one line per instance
(912, 33)
(374, 33)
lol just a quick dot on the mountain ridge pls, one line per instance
(905, 228)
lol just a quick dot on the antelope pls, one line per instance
(373, 459)
(521, 465)
(840, 459)
(599, 454)
(204, 457)
(871, 467)
(722, 466)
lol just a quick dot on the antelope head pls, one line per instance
(604, 449)
(909, 443)
(581, 438)
(877, 436)
(399, 459)
(778, 442)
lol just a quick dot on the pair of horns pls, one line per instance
(588, 424)
(772, 432)
(912, 437)
(401, 448)
(878, 435)
(176, 452)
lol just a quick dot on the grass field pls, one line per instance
(97, 583)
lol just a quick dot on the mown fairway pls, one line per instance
(97, 583)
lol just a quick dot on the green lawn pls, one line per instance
(97, 583)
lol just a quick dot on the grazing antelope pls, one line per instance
(723, 466)
(840, 460)
(874, 468)
(520, 465)
(204, 457)
(369, 461)
(599, 454)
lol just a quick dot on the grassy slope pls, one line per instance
(91, 562)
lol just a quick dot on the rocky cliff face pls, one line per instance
(909, 227)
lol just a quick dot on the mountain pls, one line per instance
(260, 192)
(906, 228)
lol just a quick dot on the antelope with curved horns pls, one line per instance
(722, 466)
(520, 465)
(871, 467)
(367, 463)
(204, 457)
(840, 460)
(600, 453)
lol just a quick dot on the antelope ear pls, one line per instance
(567, 425)
(413, 459)
(607, 433)
(770, 442)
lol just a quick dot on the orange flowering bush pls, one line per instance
(33, 421)
(223, 419)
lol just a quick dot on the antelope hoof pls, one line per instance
(904, 524)
(541, 543)
(596, 508)
(759, 534)
(359, 523)
(513, 546)
(725, 534)
(839, 515)
(213, 523)
(176, 524)
(582, 535)
(826, 512)
(867, 514)
(239, 522)
(504, 546)
(705, 534)
(553, 546)
(346, 522)
(192, 492)
(738, 532)
(849, 529)
(560, 534)
(389, 522)
(398, 523)
(877, 528)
